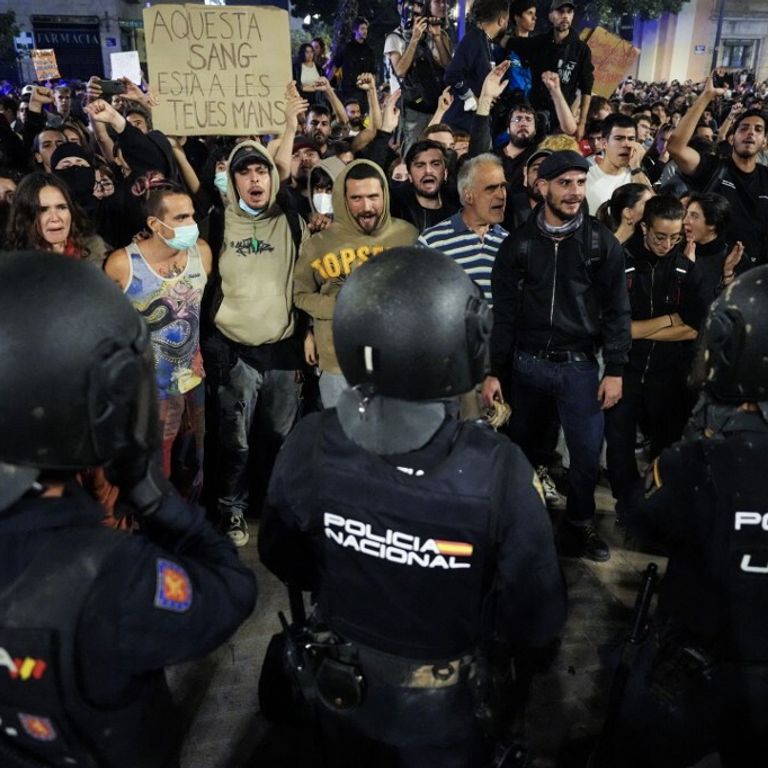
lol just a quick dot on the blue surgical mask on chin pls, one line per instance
(221, 181)
(183, 237)
(247, 208)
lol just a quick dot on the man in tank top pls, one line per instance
(164, 276)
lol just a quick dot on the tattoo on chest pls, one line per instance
(170, 270)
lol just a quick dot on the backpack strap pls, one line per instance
(591, 251)
(717, 176)
(294, 224)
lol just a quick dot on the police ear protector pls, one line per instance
(121, 401)
(479, 322)
(725, 340)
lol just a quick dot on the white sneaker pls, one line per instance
(551, 495)
(237, 530)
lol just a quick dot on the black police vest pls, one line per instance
(735, 548)
(407, 556)
(45, 719)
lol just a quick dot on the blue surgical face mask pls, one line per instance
(247, 208)
(221, 181)
(183, 237)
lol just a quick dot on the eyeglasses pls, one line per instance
(106, 184)
(661, 237)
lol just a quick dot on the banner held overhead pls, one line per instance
(218, 70)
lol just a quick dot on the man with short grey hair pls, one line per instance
(472, 236)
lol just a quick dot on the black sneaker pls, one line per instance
(583, 541)
(237, 529)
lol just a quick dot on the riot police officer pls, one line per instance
(90, 615)
(425, 539)
(702, 685)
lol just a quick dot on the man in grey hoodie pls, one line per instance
(255, 353)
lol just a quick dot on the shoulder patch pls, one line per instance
(37, 728)
(539, 487)
(174, 588)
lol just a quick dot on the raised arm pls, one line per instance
(294, 106)
(187, 171)
(324, 85)
(443, 105)
(688, 159)
(367, 83)
(401, 63)
(563, 111)
(493, 86)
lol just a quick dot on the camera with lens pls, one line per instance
(410, 10)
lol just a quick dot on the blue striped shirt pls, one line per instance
(475, 256)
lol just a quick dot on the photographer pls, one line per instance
(418, 52)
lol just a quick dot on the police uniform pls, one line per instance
(702, 685)
(89, 618)
(417, 561)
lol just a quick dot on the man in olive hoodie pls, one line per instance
(255, 352)
(362, 227)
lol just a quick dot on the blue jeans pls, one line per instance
(535, 382)
(277, 395)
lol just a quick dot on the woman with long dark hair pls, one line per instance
(622, 213)
(306, 73)
(45, 217)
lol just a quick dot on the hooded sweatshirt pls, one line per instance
(328, 257)
(256, 265)
(332, 166)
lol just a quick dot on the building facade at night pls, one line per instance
(681, 46)
(676, 46)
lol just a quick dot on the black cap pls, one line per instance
(536, 155)
(305, 142)
(560, 162)
(558, 4)
(69, 149)
(247, 155)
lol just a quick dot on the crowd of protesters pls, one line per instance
(599, 230)
(234, 248)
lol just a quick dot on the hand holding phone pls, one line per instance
(719, 79)
(112, 87)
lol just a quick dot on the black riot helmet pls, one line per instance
(410, 324)
(77, 382)
(733, 350)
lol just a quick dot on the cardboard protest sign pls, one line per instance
(612, 58)
(126, 64)
(44, 62)
(218, 70)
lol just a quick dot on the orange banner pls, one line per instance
(612, 58)
(44, 62)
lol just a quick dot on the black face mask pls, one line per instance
(80, 180)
